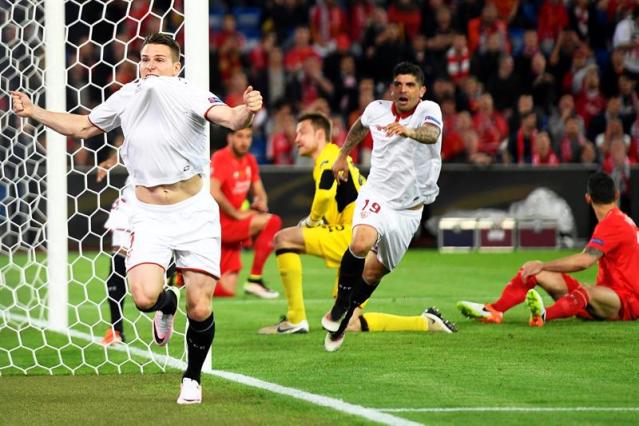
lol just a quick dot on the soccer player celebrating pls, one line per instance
(405, 166)
(234, 174)
(325, 233)
(163, 119)
(614, 245)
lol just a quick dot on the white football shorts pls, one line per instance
(395, 227)
(189, 229)
(119, 223)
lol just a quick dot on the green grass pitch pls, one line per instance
(569, 372)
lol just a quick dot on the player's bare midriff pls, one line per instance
(169, 194)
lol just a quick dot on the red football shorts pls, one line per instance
(629, 303)
(235, 231)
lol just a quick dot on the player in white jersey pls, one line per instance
(405, 166)
(163, 119)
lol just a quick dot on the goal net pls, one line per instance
(54, 250)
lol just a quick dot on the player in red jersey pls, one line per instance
(614, 245)
(234, 174)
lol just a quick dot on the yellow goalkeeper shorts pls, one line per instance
(328, 242)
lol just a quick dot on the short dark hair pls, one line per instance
(165, 39)
(318, 121)
(601, 188)
(409, 68)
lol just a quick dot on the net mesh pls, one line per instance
(103, 39)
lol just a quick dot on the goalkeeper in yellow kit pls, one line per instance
(326, 233)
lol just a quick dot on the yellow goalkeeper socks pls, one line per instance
(387, 322)
(289, 265)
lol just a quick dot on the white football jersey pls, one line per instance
(402, 169)
(163, 121)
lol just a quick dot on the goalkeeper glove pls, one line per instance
(307, 222)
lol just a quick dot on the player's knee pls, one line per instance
(282, 239)
(360, 247)
(199, 311)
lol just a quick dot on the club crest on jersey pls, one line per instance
(364, 214)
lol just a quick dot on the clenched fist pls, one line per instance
(22, 105)
(252, 99)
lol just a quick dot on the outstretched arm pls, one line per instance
(238, 117)
(74, 125)
(572, 263)
(355, 136)
(427, 134)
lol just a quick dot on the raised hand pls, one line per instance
(22, 105)
(252, 99)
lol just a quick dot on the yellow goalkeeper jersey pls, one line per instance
(332, 202)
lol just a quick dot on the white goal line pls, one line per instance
(324, 401)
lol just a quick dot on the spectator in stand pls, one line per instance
(524, 60)
(458, 59)
(300, 51)
(229, 43)
(490, 125)
(614, 130)
(425, 59)
(633, 151)
(590, 101)
(508, 11)
(346, 90)
(485, 63)
(581, 62)
(612, 73)
(525, 104)
(588, 155)
(309, 84)
(505, 86)
(376, 26)
(331, 62)
(389, 49)
(259, 55)
(480, 28)
(235, 90)
(407, 14)
(279, 149)
(552, 19)
(439, 39)
(272, 80)
(359, 11)
(625, 38)
(560, 61)
(452, 142)
(629, 101)
(543, 85)
(521, 143)
(283, 17)
(571, 143)
(473, 154)
(543, 155)
(599, 122)
(328, 20)
(617, 165)
(560, 113)
(471, 91)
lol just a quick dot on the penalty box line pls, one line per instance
(321, 400)
(506, 409)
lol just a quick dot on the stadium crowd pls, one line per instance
(540, 82)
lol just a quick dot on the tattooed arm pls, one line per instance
(355, 136)
(572, 263)
(426, 134)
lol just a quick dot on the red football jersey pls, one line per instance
(235, 175)
(617, 236)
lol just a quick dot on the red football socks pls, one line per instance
(567, 306)
(263, 244)
(514, 293)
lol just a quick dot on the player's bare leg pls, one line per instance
(263, 227)
(200, 332)
(147, 288)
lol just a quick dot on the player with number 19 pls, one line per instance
(405, 166)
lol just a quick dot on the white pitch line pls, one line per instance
(324, 401)
(504, 409)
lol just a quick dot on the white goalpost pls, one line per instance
(70, 56)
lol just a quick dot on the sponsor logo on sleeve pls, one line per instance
(597, 241)
(215, 100)
(433, 119)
